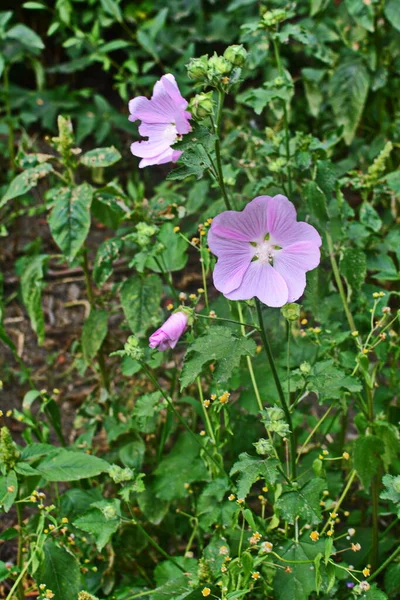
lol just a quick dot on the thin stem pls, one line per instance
(19, 508)
(89, 290)
(374, 491)
(249, 363)
(204, 277)
(322, 419)
(227, 320)
(181, 419)
(11, 140)
(342, 497)
(384, 564)
(275, 375)
(285, 115)
(339, 283)
(206, 417)
(218, 150)
(20, 579)
(154, 543)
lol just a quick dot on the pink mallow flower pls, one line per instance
(263, 251)
(164, 121)
(168, 334)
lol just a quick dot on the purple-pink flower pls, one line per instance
(263, 251)
(169, 333)
(164, 121)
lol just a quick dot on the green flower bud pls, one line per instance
(144, 233)
(291, 311)
(9, 453)
(273, 17)
(217, 66)
(202, 105)
(236, 55)
(280, 428)
(86, 596)
(263, 446)
(197, 68)
(118, 475)
(305, 368)
(275, 413)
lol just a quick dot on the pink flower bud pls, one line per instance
(169, 333)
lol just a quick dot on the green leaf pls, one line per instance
(152, 507)
(300, 583)
(69, 220)
(181, 466)
(107, 253)
(392, 13)
(26, 36)
(59, 571)
(329, 382)
(251, 468)
(101, 521)
(326, 177)
(369, 217)
(303, 503)
(34, 5)
(393, 181)
(67, 465)
(132, 454)
(212, 508)
(374, 593)
(193, 161)
(219, 345)
(8, 490)
(32, 284)
(362, 12)
(367, 457)
(312, 84)
(94, 333)
(112, 8)
(348, 92)
(316, 202)
(353, 267)
(140, 298)
(392, 490)
(174, 257)
(25, 181)
(101, 157)
(109, 209)
(145, 412)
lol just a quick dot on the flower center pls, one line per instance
(170, 131)
(265, 251)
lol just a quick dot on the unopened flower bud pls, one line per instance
(218, 65)
(197, 68)
(236, 55)
(263, 446)
(291, 311)
(202, 105)
(305, 368)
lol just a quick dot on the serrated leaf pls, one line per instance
(353, 266)
(251, 468)
(25, 181)
(362, 12)
(392, 490)
(69, 219)
(94, 333)
(32, 284)
(193, 161)
(145, 412)
(316, 202)
(181, 466)
(107, 253)
(303, 503)
(101, 157)
(369, 217)
(8, 490)
(367, 457)
(300, 582)
(59, 571)
(140, 298)
(219, 345)
(393, 181)
(348, 92)
(67, 465)
(101, 521)
(174, 257)
(392, 13)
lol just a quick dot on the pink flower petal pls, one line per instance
(283, 227)
(169, 155)
(149, 111)
(264, 282)
(169, 85)
(292, 262)
(250, 225)
(230, 269)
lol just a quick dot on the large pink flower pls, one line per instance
(168, 334)
(164, 120)
(263, 251)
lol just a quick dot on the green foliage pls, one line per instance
(140, 298)
(93, 334)
(59, 571)
(67, 465)
(367, 457)
(219, 345)
(252, 468)
(302, 503)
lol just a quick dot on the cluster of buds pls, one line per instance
(9, 453)
(255, 538)
(273, 419)
(272, 18)
(45, 593)
(217, 70)
(131, 349)
(224, 398)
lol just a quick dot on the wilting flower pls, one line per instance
(168, 334)
(263, 251)
(164, 121)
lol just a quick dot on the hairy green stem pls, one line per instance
(342, 497)
(285, 115)
(89, 290)
(322, 419)
(281, 394)
(383, 566)
(155, 545)
(218, 150)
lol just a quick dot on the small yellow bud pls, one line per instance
(176, 229)
(354, 333)
(304, 321)
(325, 452)
(56, 391)
(346, 455)
(314, 535)
(224, 550)
(231, 497)
(356, 547)
(65, 520)
(202, 433)
(170, 306)
(192, 296)
(205, 591)
(366, 572)
(206, 403)
(200, 291)
(255, 575)
(330, 533)
(240, 500)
